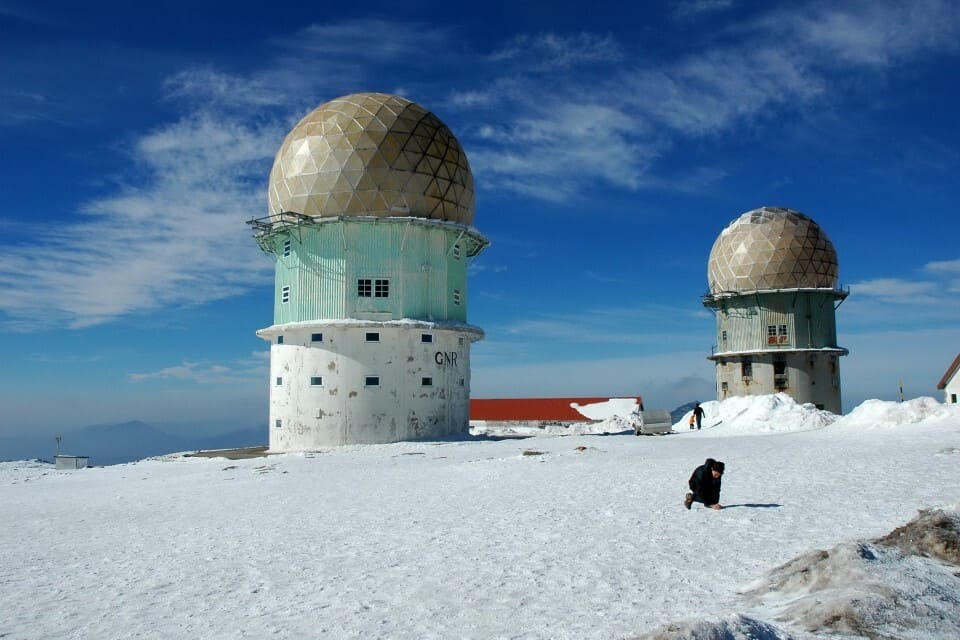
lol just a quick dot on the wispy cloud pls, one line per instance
(687, 9)
(208, 373)
(550, 51)
(613, 117)
(177, 238)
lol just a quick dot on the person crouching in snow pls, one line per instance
(705, 485)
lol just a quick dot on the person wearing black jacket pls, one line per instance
(705, 485)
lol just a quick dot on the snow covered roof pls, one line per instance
(565, 409)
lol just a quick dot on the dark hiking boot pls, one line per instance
(688, 500)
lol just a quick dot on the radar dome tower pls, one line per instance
(371, 204)
(773, 277)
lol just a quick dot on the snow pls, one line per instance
(607, 409)
(581, 536)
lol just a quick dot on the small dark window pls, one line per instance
(456, 296)
(426, 338)
(285, 295)
(381, 289)
(746, 368)
(286, 248)
(278, 423)
(426, 381)
(364, 288)
(279, 339)
(373, 336)
(371, 381)
(279, 381)
(456, 252)
(460, 382)
(316, 381)
(316, 337)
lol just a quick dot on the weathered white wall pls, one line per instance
(812, 376)
(952, 390)
(344, 410)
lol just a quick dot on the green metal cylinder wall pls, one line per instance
(425, 266)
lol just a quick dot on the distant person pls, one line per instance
(691, 421)
(698, 414)
(705, 485)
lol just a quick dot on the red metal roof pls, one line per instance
(949, 374)
(532, 408)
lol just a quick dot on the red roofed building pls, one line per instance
(534, 411)
(950, 383)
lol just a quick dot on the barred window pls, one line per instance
(364, 288)
(381, 288)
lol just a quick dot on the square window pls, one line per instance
(381, 289)
(373, 336)
(316, 337)
(279, 381)
(426, 381)
(426, 338)
(279, 339)
(286, 248)
(316, 381)
(371, 381)
(456, 296)
(364, 288)
(771, 329)
(285, 295)
(278, 423)
(782, 329)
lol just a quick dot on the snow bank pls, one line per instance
(884, 414)
(757, 415)
(887, 588)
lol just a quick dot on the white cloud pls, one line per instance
(893, 289)
(546, 51)
(870, 33)
(250, 369)
(178, 238)
(687, 9)
(944, 266)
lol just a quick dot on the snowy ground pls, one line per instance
(582, 537)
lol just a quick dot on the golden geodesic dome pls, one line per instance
(372, 154)
(772, 248)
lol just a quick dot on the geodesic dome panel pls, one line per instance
(772, 248)
(372, 154)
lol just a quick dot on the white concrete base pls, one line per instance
(411, 383)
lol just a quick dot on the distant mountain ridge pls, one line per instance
(121, 442)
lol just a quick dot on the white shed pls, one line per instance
(70, 462)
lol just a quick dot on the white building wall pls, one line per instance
(952, 389)
(422, 390)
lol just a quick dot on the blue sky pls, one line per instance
(610, 146)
